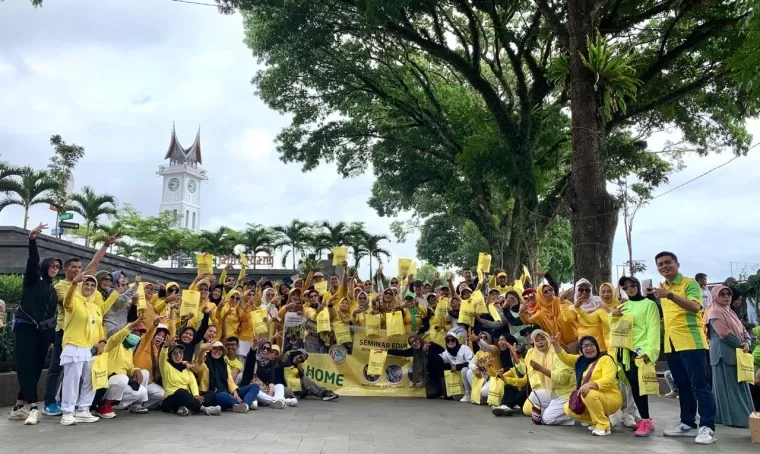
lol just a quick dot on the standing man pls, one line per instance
(685, 345)
(71, 269)
(701, 279)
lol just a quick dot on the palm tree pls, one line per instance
(371, 246)
(6, 172)
(354, 238)
(91, 206)
(220, 242)
(257, 239)
(170, 244)
(33, 188)
(103, 231)
(336, 234)
(293, 235)
(318, 243)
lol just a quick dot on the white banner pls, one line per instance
(292, 319)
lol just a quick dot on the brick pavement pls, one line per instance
(351, 425)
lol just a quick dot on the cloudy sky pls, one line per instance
(113, 76)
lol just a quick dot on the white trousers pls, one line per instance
(467, 375)
(120, 391)
(155, 394)
(552, 408)
(265, 399)
(73, 395)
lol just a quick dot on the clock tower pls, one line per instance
(182, 182)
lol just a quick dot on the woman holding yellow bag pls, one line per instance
(645, 346)
(733, 401)
(588, 314)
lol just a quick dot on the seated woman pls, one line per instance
(504, 355)
(596, 383)
(483, 364)
(217, 384)
(122, 371)
(733, 400)
(180, 387)
(259, 369)
(427, 365)
(294, 360)
(551, 382)
(457, 356)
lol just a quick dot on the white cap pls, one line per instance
(162, 326)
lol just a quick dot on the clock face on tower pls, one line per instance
(173, 184)
(191, 186)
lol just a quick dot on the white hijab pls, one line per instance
(593, 302)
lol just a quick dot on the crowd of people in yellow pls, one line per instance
(559, 359)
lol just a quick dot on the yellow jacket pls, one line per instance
(595, 324)
(174, 379)
(562, 379)
(604, 375)
(83, 322)
(120, 360)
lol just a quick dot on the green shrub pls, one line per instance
(10, 292)
(10, 289)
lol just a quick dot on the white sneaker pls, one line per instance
(465, 398)
(502, 410)
(293, 402)
(629, 421)
(213, 410)
(601, 432)
(680, 430)
(254, 405)
(615, 418)
(67, 419)
(278, 404)
(240, 408)
(120, 407)
(138, 409)
(33, 418)
(19, 415)
(706, 436)
(85, 416)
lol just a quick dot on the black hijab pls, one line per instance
(221, 295)
(452, 351)
(583, 363)
(179, 366)
(217, 374)
(638, 296)
(506, 355)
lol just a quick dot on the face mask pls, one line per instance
(131, 340)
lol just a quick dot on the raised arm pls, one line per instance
(32, 273)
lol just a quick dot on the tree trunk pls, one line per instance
(594, 216)
(26, 216)
(370, 267)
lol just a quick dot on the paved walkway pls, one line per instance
(351, 425)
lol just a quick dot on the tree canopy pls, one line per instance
(460, 111)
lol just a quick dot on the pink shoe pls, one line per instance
(645, 428)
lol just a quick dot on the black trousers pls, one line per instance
(513, 396)
(180, 398)
(55, 369)
(642, 402)
(755, 391)
(30, 347)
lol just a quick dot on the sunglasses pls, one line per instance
(235, 298)
(203, 289)
(265, 349)
(450, 340)
(584, 290)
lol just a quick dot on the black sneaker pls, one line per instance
(329, 395)
(183, 411)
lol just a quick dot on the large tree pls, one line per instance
(257, 239)
(61, 167)
(294, 236)
(455, 99)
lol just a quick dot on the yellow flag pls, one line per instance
(191, 300)
(205, 263)
(321, 287)
(525, 274)
(340, 255)
(484, 262)
(413, 268)
(403, 267)
(243, 260)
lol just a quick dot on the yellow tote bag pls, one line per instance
(100, 371)
(466, 316)
(340, 255)
(648, 383)
(442, 310)
(478, 303)
(292, 380)
(205, 263)
(495, 391)
(494, 313)
(621, 333)
(403, 267)
(413, 268)
(745, 370)
(394, 323)
(454, 386)
(323, 321)
(484, 262)
(437, 335)
(372, 324)
(376, 362)
(140, 297)
(191, 300)
(342, 333)
(477, 386)
(321, 287)
(259, 321)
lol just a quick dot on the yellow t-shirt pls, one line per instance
(61, 287)
(684, 329)
(174, 379)
(490, 362)
(120, 360)
(234, 363)
(82, 323)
